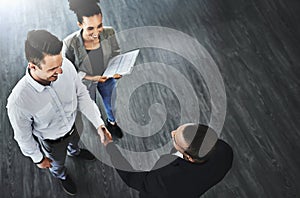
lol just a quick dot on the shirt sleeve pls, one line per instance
(85, 104)
(68, 52)
(81, 74)
(22, 125)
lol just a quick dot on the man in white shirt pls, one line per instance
(43, 105)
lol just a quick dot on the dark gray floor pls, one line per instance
(255, 45)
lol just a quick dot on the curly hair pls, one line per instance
(85, 8)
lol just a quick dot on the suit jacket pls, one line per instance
(180, 178)
(74, 50)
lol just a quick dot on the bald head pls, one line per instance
(195, 140)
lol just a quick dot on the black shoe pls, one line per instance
(68, 186)
(84, 154)
(114, 129)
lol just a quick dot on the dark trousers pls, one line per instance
(57, 150)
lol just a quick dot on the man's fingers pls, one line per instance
(107, 133)
(102, 79)
(117, 76)
(49, 160)
(102, 138)
(48, 163)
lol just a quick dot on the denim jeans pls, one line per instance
(105, 89)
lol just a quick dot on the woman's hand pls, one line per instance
(117, 76)
(101, 79)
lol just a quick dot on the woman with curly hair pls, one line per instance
(90, 49)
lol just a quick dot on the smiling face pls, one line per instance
(92, 27)
(48, 70)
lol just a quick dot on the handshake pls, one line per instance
(105, 135)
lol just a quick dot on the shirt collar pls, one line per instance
(178, 154)
(37, 86)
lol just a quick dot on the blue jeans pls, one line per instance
(105, 89)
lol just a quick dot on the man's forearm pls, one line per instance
(91, 78)
(86, 105)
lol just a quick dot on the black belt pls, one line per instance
(61, 138)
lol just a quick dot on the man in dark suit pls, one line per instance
(200, 161)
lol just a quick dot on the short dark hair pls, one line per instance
(85, 8)
(40, 43)
(201, 140)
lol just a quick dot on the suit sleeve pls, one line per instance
(141, 181)
(68, 52)
(114, 44)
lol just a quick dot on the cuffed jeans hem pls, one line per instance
(61, 175)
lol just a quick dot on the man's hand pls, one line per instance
(102, 79)
(105, 135)
(46, 163)
(108, 138)
(117, 76)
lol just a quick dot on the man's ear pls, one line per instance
(79, 25)
(32, 66)
(189, 158)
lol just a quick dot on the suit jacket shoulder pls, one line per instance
(108, 31)
(73, 39)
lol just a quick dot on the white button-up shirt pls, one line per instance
(48, 112)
